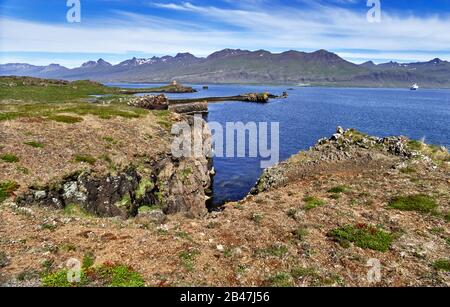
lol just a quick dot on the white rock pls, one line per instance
(220, 248)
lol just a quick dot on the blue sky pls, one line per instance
(37, 32)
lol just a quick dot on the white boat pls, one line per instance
(414, 87)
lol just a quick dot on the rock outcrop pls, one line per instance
(150, 102)
(255, 97)
(347, 145)
(174, 185)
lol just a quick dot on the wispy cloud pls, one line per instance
(253, 24)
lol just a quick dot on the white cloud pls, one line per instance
(280, 28)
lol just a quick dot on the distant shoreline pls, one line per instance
(195, 84)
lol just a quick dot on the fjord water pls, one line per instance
(312, 113)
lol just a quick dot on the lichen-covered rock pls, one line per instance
(182, 182)
(105, 196)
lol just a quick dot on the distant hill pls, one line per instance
(243, 66)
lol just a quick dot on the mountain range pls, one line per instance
(242, 66)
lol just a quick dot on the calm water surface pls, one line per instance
(312, 113)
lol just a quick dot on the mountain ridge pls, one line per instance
(320, 67)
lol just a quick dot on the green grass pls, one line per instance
(106, 275)
(85, 159)
(420, 203)
(442, 265)
(76, 210)
(34, 144)
(59, 280)
(339, 189)
(280, 280)
(118, 276)
(66, 119)
(106, 112)
(7, 188)
(9, 158)
(312, 203)
(49, 91)
(54, 100)
(88, 260)
(187, 259)
(363, 236)
(415, 145)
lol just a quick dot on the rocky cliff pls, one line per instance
(146, 176)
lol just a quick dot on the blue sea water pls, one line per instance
(312, 113)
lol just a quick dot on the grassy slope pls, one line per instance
(65, 101)
(28, 89)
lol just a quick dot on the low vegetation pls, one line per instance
(106, 275)
(442, 265)
(313, 202)
(85, 159)
(276, 250)
(76, 210)
(339, 189)
(364, 236)
(420, 203)
(7, 188)
(9, 158)
(35, 144)
(187, 258)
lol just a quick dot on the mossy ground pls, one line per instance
(363, 236)
(9, 158)
(421, 203)
(442, 265)
(313, 202)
